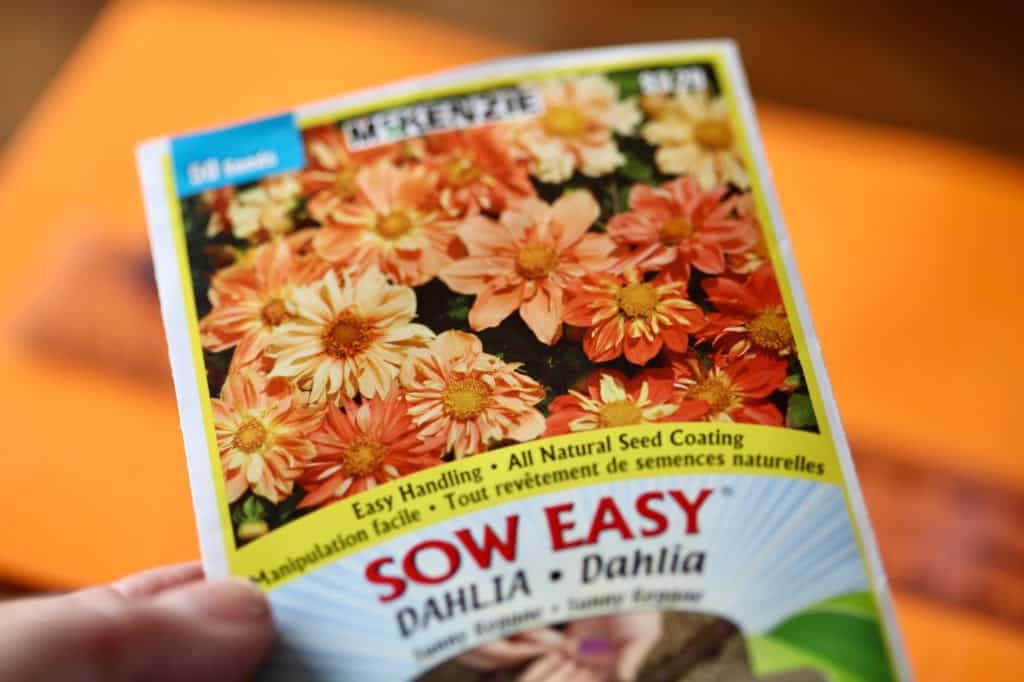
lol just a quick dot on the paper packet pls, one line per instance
(507, 374)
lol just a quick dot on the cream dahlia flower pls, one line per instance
(347, 337)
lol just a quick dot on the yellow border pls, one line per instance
(199, 364)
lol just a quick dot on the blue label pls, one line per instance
(231, 156)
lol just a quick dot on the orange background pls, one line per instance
(908, 247)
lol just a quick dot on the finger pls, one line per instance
(546, 637)
(202, 631)
(158, 580)
(549, 669)
(501, 653)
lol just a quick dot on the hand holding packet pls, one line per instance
(506, 374)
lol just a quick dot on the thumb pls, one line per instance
(216, 630)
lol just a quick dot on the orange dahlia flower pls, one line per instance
(752, 317)
(625, 315)
(250, 301)
(575, 130)
(526, 260)
(262, 438)
(677, 224)
(695, 137)
(347, 337)
(362, 446)
(737, 392)
(469, 399)
(478, 170)
(393, 223)
(611, 400)
(330, 178)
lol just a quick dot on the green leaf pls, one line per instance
(793, 382)
(800, 412)
(840, 636)
(627, 82)
(252, 509)
(458, 307)
(637, 170)
(851, 642)
(287, 508)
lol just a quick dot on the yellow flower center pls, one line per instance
(771, 330)
(348, 335)
(364, 457)
(536, 260)
(466, 398)
(394, 225)
(620, 413)
(345, 183)
(461, 171)
(675, 230)
(564, 120)
(638, 299)
(250, 436)
(714, 391)
(713, 134)
(274, 313)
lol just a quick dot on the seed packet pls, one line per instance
(506, 374)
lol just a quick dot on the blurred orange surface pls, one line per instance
(908, 247)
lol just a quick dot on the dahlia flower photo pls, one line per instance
(524, 261)
(478, 170)
(348, 336)
(597, 264)
(259, 212)
(695, 136)
(263, 438)
(751, 316)
(737, 392)
(249, 303)
(683, 225)
(468, 398)
(394, 224)
(626, 315)
(330, 179)
(610, 400)
(361, 446)
(575, 132)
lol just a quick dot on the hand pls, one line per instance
(163, 625)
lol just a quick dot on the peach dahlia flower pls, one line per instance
(363, 446)
(393, 223)
(251, 301)
(467, 398)
(625, 315)
(330, 178)
(478, 170)
(525, 260)
(347, 337)
(610, 400)
(695, 136)
(677, 224)
(262, 438)
(575, 130)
